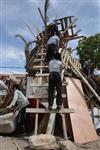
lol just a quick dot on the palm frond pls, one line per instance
(30, 29)
(22, 38)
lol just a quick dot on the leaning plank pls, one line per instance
(41, 110)
(81, 122)
(51, 122)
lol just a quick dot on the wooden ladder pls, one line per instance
(41, 83)
(51, 122)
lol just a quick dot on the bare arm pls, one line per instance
(14, 99)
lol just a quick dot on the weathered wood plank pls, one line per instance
(41, 110)
(51, 123)
(38, 85)
(42, 54)
(42, 75)
(43, 96)
(46, 85)
(40, 67)
(37, 60)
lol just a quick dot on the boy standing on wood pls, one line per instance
(53, 42)
(55, 67)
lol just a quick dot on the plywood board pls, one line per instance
(82, 126)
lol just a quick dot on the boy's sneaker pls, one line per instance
(50, 107)
(59, 107)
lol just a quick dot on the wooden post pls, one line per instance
(64, 126)
(36, 119)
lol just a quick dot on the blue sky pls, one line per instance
(13, 14)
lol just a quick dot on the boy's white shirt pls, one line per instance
(54, 40)
(20, 99)
(55, 66)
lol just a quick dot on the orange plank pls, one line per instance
(82, 126)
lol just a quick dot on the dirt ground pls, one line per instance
(13, 143)
(21, 143)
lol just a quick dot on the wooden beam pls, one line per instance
(46, 85)
(64, 18)
(43, 19)
(41, 110)
(39, 85)
(37, 60)
(40, 67)
(74, 38)
(69, 26)
(70, 20)
(39, 54)
(42, 75)
(43, 96)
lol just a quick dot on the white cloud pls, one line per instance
(10, 12)
(36, 2)
(24, 32)
(10, 52)
(32, 1)
(13, 18)
(54, 2)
